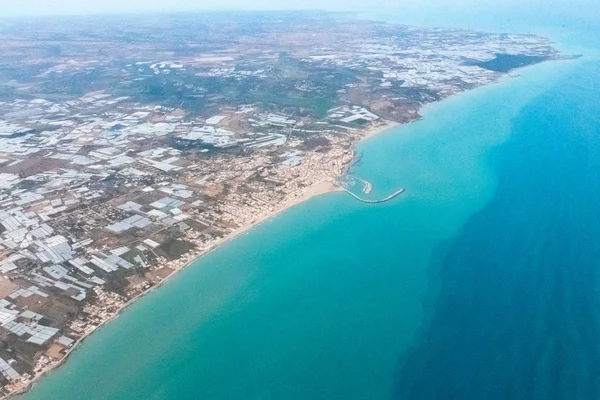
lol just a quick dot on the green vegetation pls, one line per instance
(508, 62)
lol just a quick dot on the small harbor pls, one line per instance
(349, 182)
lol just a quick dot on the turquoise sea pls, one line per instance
(480, 282)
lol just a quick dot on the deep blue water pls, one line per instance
(517, 312)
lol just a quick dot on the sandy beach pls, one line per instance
(369, 133)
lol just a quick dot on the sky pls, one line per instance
(444, 8)
(37, 7)
(10, 8)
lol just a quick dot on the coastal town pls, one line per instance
(126, 153)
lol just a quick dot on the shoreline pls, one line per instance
(316, 189)
(368, 134)
(376, 130)
(307, 193)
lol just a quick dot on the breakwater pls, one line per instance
(388, 198)
(347, 181)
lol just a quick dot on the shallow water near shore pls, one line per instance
(479, 282)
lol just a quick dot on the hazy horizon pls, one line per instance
(74, 7)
